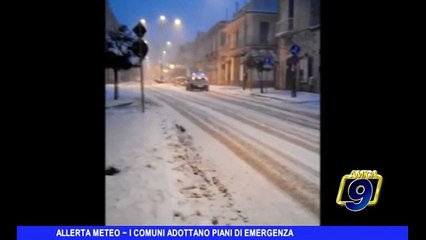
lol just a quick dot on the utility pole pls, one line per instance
(295, 49)
(245, 45)
(247, 71)
(140, 31)
(142, 79)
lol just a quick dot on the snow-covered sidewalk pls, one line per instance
(127, 95)
(283, 95)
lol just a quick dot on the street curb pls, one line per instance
(116, 105)
(305, 113)
(284, 100)
(315, 116)
(272, 97)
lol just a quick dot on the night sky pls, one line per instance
(196, 15)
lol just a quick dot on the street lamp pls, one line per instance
(162, 45)
(148, 68)
(178, 33)
(178, 22)
(162, 21)
(163, 57)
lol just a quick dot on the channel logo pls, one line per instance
(359, 189)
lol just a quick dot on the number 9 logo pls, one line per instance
(359, 189)
(361, 192)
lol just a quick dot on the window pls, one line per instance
(291, 9)
(315, 13)
(237, 38)
(290, 14)
(213, 44)
(222, 39)
(310, 66)
(245, 34)
(264, 30)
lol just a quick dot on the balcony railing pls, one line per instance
(284, 26)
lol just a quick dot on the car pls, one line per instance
(180, 81)
(160, 80)
(197, 80)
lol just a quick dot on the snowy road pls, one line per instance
(213, 157)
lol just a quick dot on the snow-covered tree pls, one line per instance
(256, 60)
(121, 52)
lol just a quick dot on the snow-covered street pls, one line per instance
(223, 157)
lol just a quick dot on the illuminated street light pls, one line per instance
(162, 24)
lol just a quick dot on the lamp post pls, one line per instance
(177, 22)
(162, 21)
(163, 57)
(161, 44)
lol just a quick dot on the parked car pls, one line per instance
(180, 81)
(197, 81)
(160, 80)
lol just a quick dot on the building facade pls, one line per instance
(221, 51)
(299, 23)
(211, 52)
(251, 31)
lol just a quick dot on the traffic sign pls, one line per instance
(139, 30)
(267, 61)
(295, 49)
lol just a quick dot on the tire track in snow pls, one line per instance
(288, 109)
(282, 135)
(194, 182)
(282, 115)
(219, 122)
(302, 190)
(300, 133)
(213, 120)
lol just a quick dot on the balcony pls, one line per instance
(284, 27)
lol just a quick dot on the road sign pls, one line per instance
(267, 61)
(295, 49)
(139, 30)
